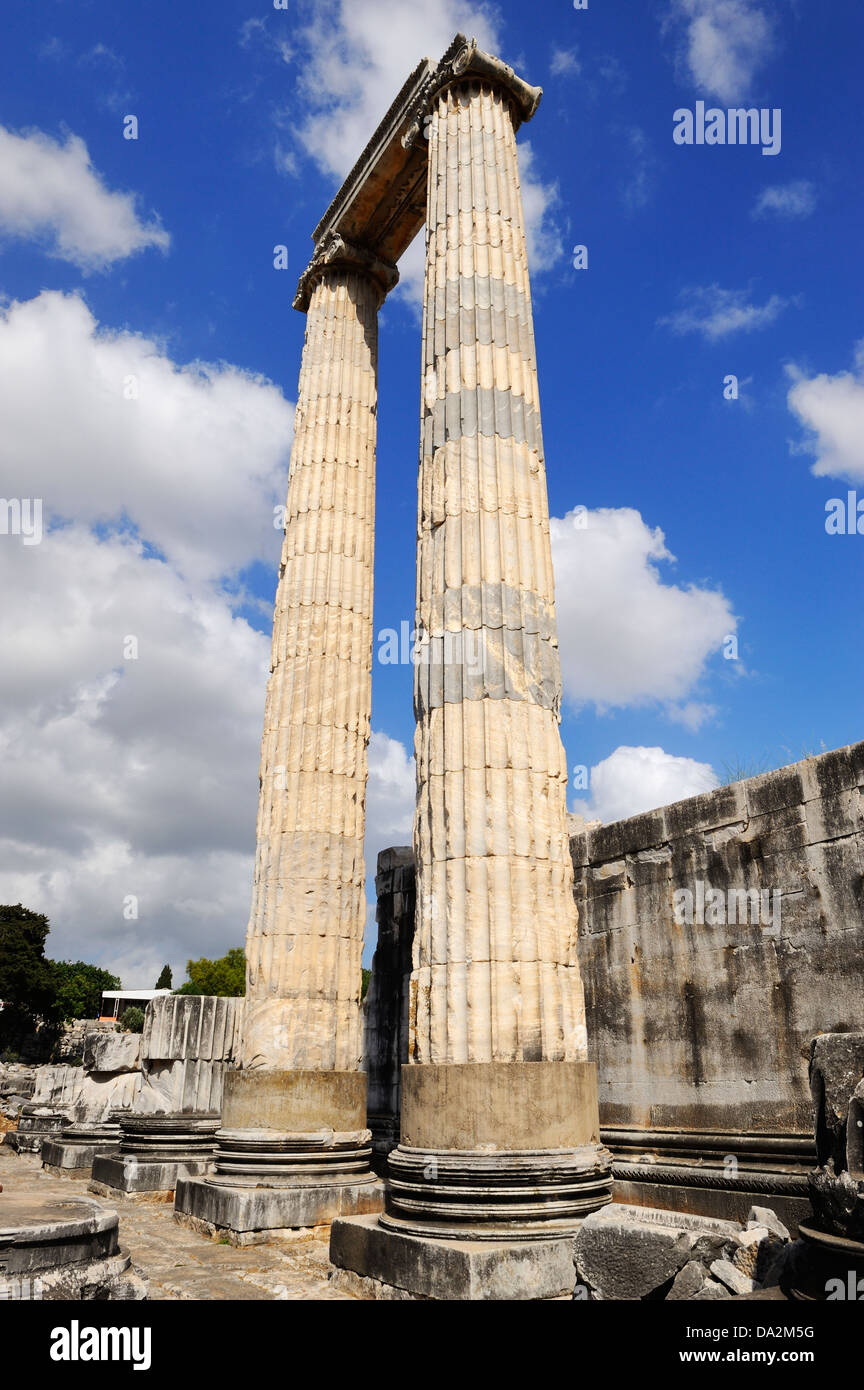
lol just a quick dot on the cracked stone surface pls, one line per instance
(182, 1265)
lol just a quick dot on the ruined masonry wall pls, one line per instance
(707, 1027)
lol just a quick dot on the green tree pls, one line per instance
(133, 1020)
(364, 986)
(78, 989)
(164, 981)
(225, 976)
(26, 980)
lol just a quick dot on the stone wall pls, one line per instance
(707, 1027)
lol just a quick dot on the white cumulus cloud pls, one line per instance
(126, 778)
(628, 637)
(632, 780)
(722, 44)
(131, 687)
(390, 796)
(831, 409)
(792, 200)
(716, 313)
(51, 191)
(103, 426)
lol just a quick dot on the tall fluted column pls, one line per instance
(305, 933)
(294, 1148)
(496, 975)
(497, 1024)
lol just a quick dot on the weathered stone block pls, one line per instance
(449, 1270)
(631, 1253)
(734, 1279)
(112, 1052)
(264, 1209)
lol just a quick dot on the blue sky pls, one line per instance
(130, 784)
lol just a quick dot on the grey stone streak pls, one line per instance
(490, 604)
(488, 412)
(482, 309)
(487, 664)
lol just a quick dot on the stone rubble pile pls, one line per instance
(629, 1253)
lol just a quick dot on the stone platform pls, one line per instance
(180, 1265)
(54, 1248)
(259, 1212)
(376, 1263)
(76, 1150)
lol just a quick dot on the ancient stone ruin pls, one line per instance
(188, 1047)
(488, 1126)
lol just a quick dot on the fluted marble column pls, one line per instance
(294, 1147)
(496, 975)
(499, 1122)
(305, 933)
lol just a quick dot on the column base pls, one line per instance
(73, 1155)
(155, 1151)
(398, 1265)
(64, 1250)
(539, 1194)
(497, 1151)
(302, 1167)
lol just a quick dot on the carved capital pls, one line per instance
(462, 61)
(333, 252)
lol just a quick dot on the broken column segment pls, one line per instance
(837, 1184)
(110, 1081)
(54, 1092)
(188, 1045)
(67, 1250)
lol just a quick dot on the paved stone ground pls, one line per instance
(180, 1264)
